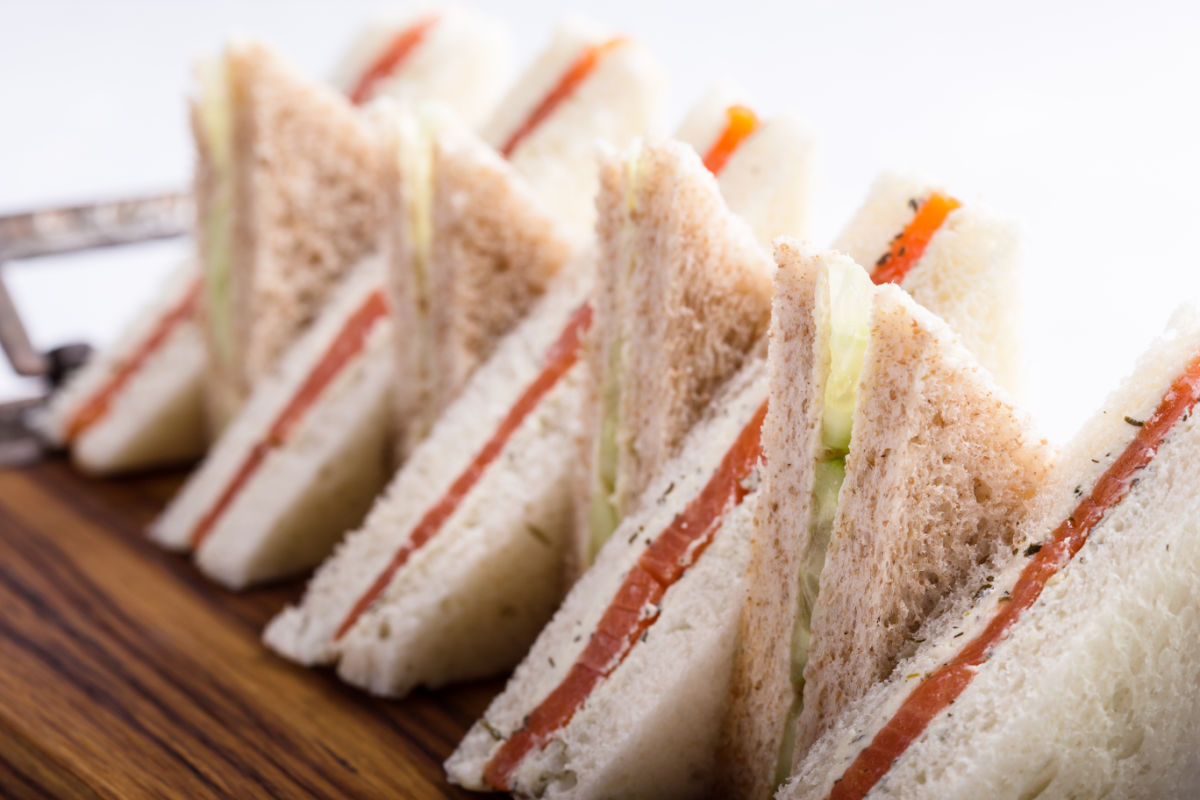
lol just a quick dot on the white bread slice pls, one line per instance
(470, 601)
(463, 61)
(768, 179)
(618, 100)
(940, 473)
(308, 490)
(157, 418)
(462, 277)
(969, 274)
(1093, 692)
(304, 187)
(648, 729)
(682, 298)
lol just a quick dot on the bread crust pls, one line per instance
(760, 689)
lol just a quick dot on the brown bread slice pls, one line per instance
(493, 249)
(304, 203)
(682, 300)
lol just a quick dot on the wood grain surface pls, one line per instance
(126, 674)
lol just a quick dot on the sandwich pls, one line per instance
(766, 166)
(1072, 670)
(619, 695)
(469, 245)
(475, 233)
(304, 458)
(287, 179)
(968, 271)
(462, 561)
(895, 472)
(626, 690)
(138, 404)
(450, 55)
(681, 302)
(586, 79)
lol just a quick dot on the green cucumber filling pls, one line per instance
(850, 296)
(604, 515)
(216, 126)
(416, 165)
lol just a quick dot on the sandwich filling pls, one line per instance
(636, 605)
(390, 59)
(849, 301)
(575, 75)
(561, 356)
(849, 311)
(740, 123)
(942, 686)
(416, 165)
(603, 512)
(909, 245)
(97, 405)
(348, 344)
(215, 115)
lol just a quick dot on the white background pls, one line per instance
(1079, 120)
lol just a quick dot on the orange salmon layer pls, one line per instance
(740, 123)
(568, 83)
(348, 344)
(562, 355)
(98, 405)
(908, 247)
(400, 48)
(636, 604)
(947, 682)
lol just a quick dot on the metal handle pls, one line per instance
(24, 358)
(57, 231)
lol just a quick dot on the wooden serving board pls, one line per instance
(126, 674)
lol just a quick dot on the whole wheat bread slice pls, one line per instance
(492, 248)
(682, 299)
(304, 204)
